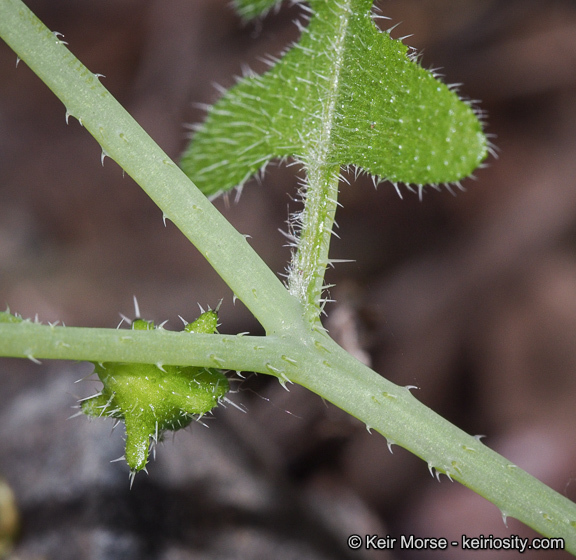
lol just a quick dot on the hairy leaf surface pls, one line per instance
(249, 9)
(345, 94)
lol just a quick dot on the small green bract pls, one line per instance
(152, 399)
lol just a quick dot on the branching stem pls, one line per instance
(320, 365)
(123, 140)
(292, 351)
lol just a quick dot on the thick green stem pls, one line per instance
(235, 352)
(123, 140)
(396, 414)
(320, 365)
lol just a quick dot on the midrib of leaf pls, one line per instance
(306, 277)
(345, 95)
(329, 112)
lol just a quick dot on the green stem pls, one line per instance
(317, 363)
(123, 140)
(396, 414)
(306, 278)
(31, 340)
(296, 353)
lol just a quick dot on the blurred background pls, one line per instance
(472, 297)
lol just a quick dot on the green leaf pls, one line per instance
(154, 398)
(250, 9)
(345, 94)
(7, 317)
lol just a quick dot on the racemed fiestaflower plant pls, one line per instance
(346, 95)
